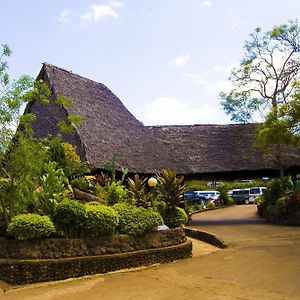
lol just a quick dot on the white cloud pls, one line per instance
(98, 12)
(116, 3)
(207, 3)
(180, 60)
(64, 16)
(172, 111)
(235, 25)
(219, 86)
(212, 87)
(197, 78)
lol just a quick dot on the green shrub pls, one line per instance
(210, 204)
(175, 217)
(69, 218)
(30, 226)
(223, 194)
(116, 193)
(136, 220)
(273, 193)
(82, 184)
(101, 220)
(230, 201)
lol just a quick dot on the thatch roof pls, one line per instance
(109, 128)
(219, 148)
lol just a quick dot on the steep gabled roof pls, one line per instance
(108, 126)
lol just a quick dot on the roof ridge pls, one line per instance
(201, 125)
(73, 74)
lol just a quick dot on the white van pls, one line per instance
(255, 192)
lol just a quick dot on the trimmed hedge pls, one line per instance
(136, 220)
(175, 217)
(30, 226)
(100, 220)
(69, 217)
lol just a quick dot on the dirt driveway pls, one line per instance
(257, 265)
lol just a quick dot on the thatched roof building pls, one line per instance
(108, 127)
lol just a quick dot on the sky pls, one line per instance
(166, 60)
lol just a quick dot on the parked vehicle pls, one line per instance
(255, 192)
(201, 196)
(240, 196)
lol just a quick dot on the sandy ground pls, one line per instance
(254, 267)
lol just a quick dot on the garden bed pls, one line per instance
(292, 219)
(55, 259)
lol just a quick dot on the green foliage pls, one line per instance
(138, 192)
(111, 168)
(273, 193)
(174, 217)
(223, 195)
(136, 220)
(191, 207)
(65, 155)
(52, 186)
(267, 83)
(70, 217)
(30, 226)
(210, 204)
(170, 188)
(67, 126)
(13, 93)
(26, 163)
(116, 193)
(101, 220)
(83, 184)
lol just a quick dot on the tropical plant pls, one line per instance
(30, 226)
(53, 183)
(138, 192)
(116, 193)
(170, 188)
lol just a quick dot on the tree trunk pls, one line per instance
(4, 211)
(280, 164)
(86, 197)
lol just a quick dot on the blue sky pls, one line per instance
(167, 60)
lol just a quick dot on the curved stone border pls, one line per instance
(15, 271)
(68, 248)
(206, 237)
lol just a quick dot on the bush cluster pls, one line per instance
(176, 217)
(100, 220)
(30, 226)
(69, 218)
(136, 220)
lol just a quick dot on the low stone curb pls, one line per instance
(206, 237)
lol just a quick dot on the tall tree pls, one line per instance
(266, 83)
(13, 93)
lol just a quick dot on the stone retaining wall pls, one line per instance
(15, 271)
(62, 248)
(54, 259)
